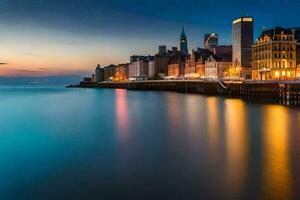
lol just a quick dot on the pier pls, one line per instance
(287, 93)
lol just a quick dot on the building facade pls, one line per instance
(242, 40)
(99, 74)
(162, 59)
(176, 67)
(223, 51)
(121, 72)
(109, 72)
(217, 68)
(274, 55)
(151, 67)
(139, 69)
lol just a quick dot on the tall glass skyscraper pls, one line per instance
(242, 39)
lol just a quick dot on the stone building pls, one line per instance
(99, 74)
(218, 68)
(274, 55)
(121, 72)
(195, 63)
(176, 66)
(139, 69)
(151, 67)
(109, 72)
(162, 59)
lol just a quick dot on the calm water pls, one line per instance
(58, 143)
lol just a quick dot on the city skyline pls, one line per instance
(69, 37)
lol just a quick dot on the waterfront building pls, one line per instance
(139, 69)
(183, 43)
(242, 39)
(211, 40)
(190, 65)
(109, 72)
(176, 66)
(218, 68)
(296, 32)
(162, 59)
(274, 55)
(195, 63)
(121, 72)
(151, 67)
(99, 74)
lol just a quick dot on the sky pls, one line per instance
(59, 37)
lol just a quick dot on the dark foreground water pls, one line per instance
(58, 143)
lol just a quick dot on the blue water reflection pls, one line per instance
(58, 143)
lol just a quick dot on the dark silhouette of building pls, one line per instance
(223, 51)
(162, 49)
(161, 60)
(183, 43)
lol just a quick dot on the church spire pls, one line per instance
(183, 43)
(183, 36)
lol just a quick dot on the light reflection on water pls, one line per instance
(276, 169)
(236, 123)
(117, 144)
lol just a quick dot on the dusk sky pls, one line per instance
(50, 37)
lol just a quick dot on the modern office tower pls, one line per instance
(211, 40)
(242, 39)
(183, 43)
(274, 55)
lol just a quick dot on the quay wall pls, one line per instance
(278, 92)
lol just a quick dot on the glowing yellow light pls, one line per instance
(277, 73)
(248, 19)
(288, 73)
(283, 73)
(237, 21)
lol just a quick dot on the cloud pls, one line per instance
(1, 63)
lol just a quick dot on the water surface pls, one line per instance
(58, 143)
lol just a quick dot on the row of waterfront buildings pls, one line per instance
(275, 55)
